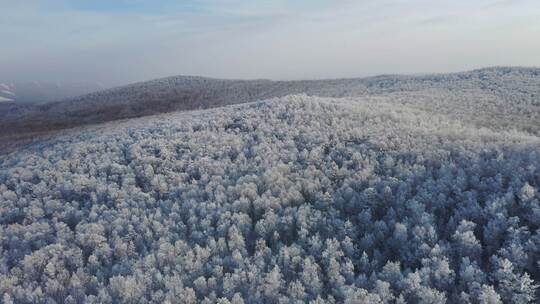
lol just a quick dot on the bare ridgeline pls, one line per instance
(393, 189)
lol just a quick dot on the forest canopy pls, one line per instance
(291, 200)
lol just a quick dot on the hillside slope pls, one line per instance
(297, 199)
(512, 91)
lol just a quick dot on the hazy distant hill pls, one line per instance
(516, 90)
(6, 95)
(43, 92)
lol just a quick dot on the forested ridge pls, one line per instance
(299, 199)
(510, 95)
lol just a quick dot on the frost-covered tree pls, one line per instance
(292, 200)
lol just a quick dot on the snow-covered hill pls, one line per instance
(388, 198)
(43, 92)
(6, 94)
(503, 94)
(5, 99)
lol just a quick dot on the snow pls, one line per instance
(44, 92)
(8, 92)
(391, 189)
(296, 199)
(493, 98)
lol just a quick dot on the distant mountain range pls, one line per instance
(488, 88)
(43, 92)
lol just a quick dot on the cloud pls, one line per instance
(123, 41)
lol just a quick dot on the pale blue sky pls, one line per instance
(121, 41)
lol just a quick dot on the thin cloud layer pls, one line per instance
(123, 41)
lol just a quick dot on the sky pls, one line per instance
(121, 41)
